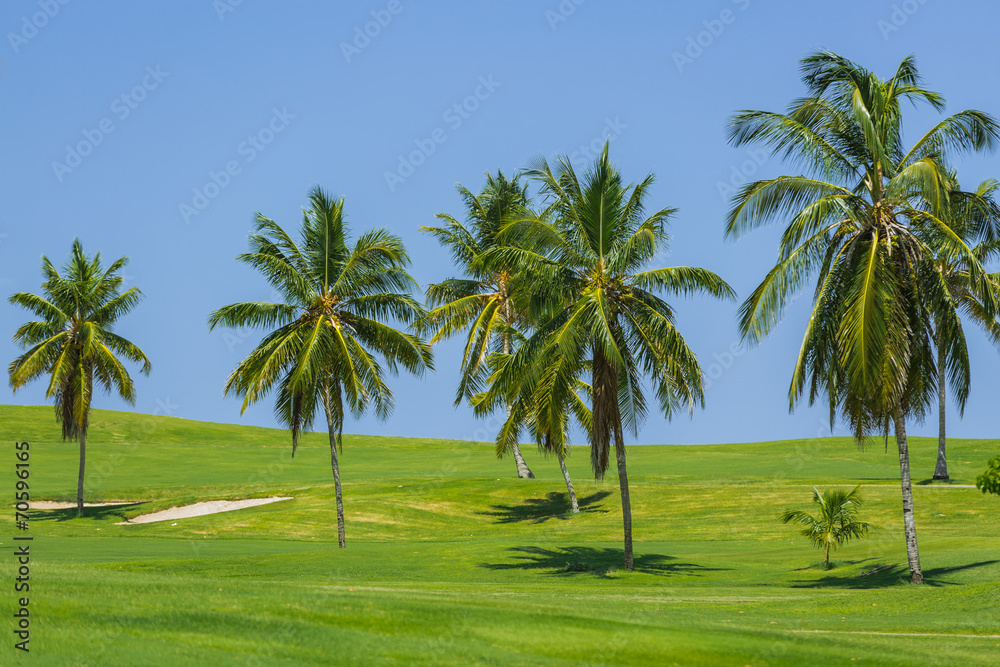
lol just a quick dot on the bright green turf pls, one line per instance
(452, 560)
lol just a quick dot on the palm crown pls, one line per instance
(867, 220)
(73, 339)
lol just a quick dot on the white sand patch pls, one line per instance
(201, 509)
(51, 505)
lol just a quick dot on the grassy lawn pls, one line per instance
(452, 560)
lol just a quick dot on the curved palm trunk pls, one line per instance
(569, 485)
(909, 524)
(941, 468)
(79, 479)
(523, 471)
(333, 430)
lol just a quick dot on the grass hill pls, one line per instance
(452, 560)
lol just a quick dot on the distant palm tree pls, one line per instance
(835, 525)
(606, 315)
(971, 218)
(488, 302)
(866, 220)
(330, 329)
(74, 343)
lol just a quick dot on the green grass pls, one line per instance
(452, 560)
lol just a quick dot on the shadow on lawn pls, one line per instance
(103, 512)
(891, 575)
(539, 510)
(569, 561)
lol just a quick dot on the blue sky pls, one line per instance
(157, 129)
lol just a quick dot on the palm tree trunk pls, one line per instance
(523, 471)
(626, 500)
(941, 468)
(79, 480)
(331, 426)
(909, 524)
(826, 556)
(569, 484)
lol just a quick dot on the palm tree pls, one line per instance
(605, 312)
(329, 332)
(859, 221)
(835, 524)
(971, 218)
(73, 342)
(487, 302)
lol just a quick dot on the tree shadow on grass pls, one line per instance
(539, 510)
(103, 512)
(602, 563)
(891, 575)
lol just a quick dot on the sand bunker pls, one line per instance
(201, 509)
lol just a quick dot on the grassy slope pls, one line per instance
(447, 564)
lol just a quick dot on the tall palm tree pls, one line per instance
(486, 303)
(329, 332)
(73, 342)
(972, 219)
(858, 221)
(835, 525)
(605, 311)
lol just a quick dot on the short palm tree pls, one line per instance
(486, 302)
(329, 332)
(972, 218)
(605, 312)
(73, 342)
(865, 220)
(835, 525)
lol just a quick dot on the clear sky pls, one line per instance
(157, 129)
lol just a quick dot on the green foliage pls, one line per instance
(73, 341)
(598, 310)
(867, 219)
(989, 481)
(489, 301)
(328, 332)
(835, 524)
